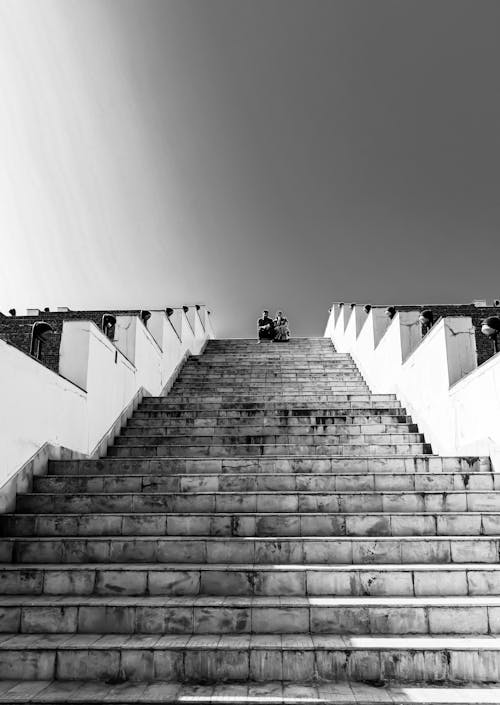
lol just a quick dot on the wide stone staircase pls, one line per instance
(269, 531)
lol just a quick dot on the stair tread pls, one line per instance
(300, 642)
(244, 458)
(237, 601)
(254, 693)
(150, 476)
(282, 567)
(254, 513)
(261, 492)
(271, 539)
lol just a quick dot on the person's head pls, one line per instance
(279, 313)
(265, 313)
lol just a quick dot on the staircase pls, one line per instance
(268, 532)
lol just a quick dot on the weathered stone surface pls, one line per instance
(270, 522)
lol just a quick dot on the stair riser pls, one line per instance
(313, 439)
(243, 368)
(249, 582)
(441, 482)
(188, 466)
(238, 379)
(245, 376)
(258, 525)
(290, 416)
(294, 406)
(295, 388)
(405, 502)
(279, 422)
(267, 433)
(220, 451)
(339, 551)
(318, 399)
(163, 620)
(269, 398)
(258, 664)
(272, 354)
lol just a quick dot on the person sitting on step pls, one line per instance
(281, 328)
(265, 327)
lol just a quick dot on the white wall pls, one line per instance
(29, 419)
(38, 407)
(139, 346)
(475, 403)
(455, 404)
(82, 408)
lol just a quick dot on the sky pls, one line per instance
(248, 154)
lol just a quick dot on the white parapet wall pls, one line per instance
(455, 403)
(78, 412)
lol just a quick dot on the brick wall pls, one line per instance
(17, 330)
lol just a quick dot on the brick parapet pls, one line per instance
(16, 330)
(484, 346)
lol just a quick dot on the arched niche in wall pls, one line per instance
(108, 324)
(40, 334)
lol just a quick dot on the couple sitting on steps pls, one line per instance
(276, 330)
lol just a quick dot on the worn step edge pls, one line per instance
(250, 693)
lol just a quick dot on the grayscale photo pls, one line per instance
(250, 352)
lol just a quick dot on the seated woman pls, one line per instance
(281, 328)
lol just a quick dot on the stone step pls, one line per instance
(259, 355)
(267, 359)
(255, 482)
(238, 375)
(248, 579)
(276, 502)
(318, 438)
(239, 378)
(425, 464)
(316, 431)
(300, 406)
(256, 388)
(270, 365)
(296, 550)
(270, 415)
(274, 421)
(261, 350)
(281, 614)
(269, 397)
(288, 389)
(363, 397)
(262, 354)
(240, 658)
(228, 383)
(194, 523)
(254, 348)
(272, 449)
(249, 693)
(233, 343)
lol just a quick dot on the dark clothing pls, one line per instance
(266, 328)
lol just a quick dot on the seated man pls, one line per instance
(265, 327)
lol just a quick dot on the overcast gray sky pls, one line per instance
(249, 153)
